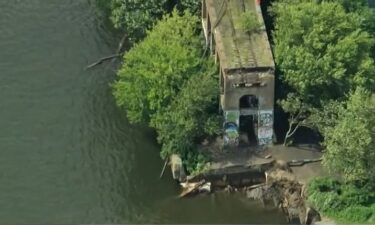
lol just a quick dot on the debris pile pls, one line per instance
(284, 191)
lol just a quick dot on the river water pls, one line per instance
(67, 154)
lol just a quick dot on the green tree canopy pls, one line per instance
(166, 82)
(191, 116)
(194, 6)
(349, 5)
(135, 17)
(155, 69)
(321, 49)
(350, 141)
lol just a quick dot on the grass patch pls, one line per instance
(344, 202)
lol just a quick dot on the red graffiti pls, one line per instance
(258, 2)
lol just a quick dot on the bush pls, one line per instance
(326, 201)
(352, 195)
(249, 22)
(372, 218)
(195, 162)
(343, 202)
(323, 184)
(355, 214)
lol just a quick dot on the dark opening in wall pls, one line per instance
(249, 101)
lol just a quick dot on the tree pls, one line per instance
(299, 113)
(323, 53)
(155, 69)
(166, 82)
(192, 115)
(350, 142)
(194, 6)
(135, 17)
(321, 50)
(362, 8)
(349, 5)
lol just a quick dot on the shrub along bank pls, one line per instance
(345, 202)
(167, 83)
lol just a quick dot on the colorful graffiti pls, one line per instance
(231, 135)
(231, 126)
(232, 116)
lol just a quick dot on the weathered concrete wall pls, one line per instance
(259, 84)
(262, 86)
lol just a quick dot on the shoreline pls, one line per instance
(269, 177)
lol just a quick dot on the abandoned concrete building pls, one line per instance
(246, 69)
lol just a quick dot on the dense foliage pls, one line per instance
(350, 141)
(166, 83)
(191, 116)
(194, 6)
(345, 202)
(321, 50)
(135, 17)
(324, 50)
(155, 69)
(249, 22)
(323, 53)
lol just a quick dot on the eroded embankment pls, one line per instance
(284, 191)
(271, 183)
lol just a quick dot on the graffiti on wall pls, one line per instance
(231, 135)
(265, 118)
(232, 116)
(265, 135)
(265, 129)
(231, 125)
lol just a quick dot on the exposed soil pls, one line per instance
(284, 191)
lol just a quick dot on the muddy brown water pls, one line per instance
(67, 154)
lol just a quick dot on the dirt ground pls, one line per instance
(303, 173)
(256, 155)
